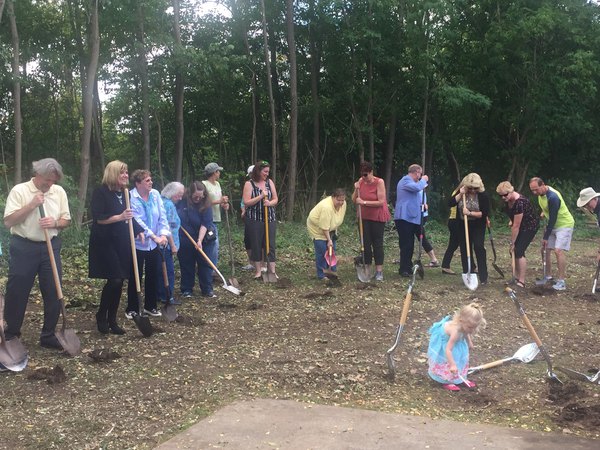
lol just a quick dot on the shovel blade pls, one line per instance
(268, 277)
(527, 353)
(236, 291)
(69, 341)
(363, 273)
(470, 280)
(169, 312)
(575, 375)
(234, 282)
(498, 269)
(144, 325)
(13, 355)
(391, 373)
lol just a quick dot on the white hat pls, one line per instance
(250, 169)
(585, 196)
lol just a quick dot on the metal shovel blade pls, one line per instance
(236, 291)
(470, 280)
(13, 355)
(363, 272)
(527, 353)
(169, 312)
(578, 375)
(143, 324)
(69, 341)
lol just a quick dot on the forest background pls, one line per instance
(506, 88)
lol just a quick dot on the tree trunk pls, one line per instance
(424, 126)
(314, 93)
(293, 167)
(87, 107)
(159, 148)
(98, 146)
(389, 152)
(178, 94)
(143, 74)
(18, 120)
(1, 9)
(271, 98)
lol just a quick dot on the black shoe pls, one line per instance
(116, 329)
(102, 326)
(51, 342)
(404, 274)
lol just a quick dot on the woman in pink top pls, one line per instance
(370, 197)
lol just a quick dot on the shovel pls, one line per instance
(232, 289)
(66, 336)
(494, 265)
(533, 334)
(594, 379)
(233, 281)
(331, 260)
(544, 279)
(268, 276)
(168, 310)
(362, 271)
(525, 354)
(142, 322)
(470, 279)
(13, 355)
(596, 278)
(405, 307)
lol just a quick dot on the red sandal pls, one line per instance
(451, 387)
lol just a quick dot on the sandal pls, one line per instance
(451, 387)
(520, 284)
(434, 264)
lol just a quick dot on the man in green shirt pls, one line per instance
(559, 229)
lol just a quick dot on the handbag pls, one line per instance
(210, 236)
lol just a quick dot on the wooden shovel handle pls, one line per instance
(59, 292)
(489, 365)
(136, 271)
(405, 308)
(466, 228)
(267, 232)
(210, 263)
(531, 330)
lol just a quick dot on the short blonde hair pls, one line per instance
(470, 314)
(505, 188)
(473, 181)
(112, 171)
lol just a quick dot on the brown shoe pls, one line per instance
(448, 271)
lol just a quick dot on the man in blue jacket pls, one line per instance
(408, 212)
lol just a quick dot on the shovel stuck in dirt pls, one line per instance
(470, 279)
(405, 307)
(66, 336)
(331, 261)
(168, 310)
(594, 379)
(363, 272)
(13, 354)
(551, 375)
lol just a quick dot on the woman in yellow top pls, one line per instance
(322, 223)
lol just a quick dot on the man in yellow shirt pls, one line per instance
(28, 251)
(322, 222)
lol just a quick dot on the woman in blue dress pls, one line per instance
(449, 346)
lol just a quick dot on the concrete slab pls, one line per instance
(286, 424)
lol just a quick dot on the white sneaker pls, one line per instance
(378, 276)
(248, 267)
(559, 285)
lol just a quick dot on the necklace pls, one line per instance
(119, 197)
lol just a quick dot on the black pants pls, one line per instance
(373, 239)
(406, 240)
(152, 262)
(109, 301)
(28, 259)
(477, 240)
(453, 241)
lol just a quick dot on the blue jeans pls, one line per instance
(320, 263)
(213, 251)
(191, 262)
(162, 291)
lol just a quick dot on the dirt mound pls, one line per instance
(582, 416)
(103, 355)
(52, 376)
(542, 291)
(564, 393)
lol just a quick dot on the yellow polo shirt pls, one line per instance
(56, 206)
(324, 217)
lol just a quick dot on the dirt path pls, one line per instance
(286, 424)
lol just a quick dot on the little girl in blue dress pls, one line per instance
(449, 345)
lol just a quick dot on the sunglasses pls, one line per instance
(504, 195)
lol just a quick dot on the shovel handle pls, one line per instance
(267, 248)
(204, 255)
(52, 259)
(360, 229)
(405, 308)
(136, 271)
(465, 220)
(489, 365)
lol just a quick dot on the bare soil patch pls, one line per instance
(309, 341)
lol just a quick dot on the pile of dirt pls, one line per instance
(580, 415)
(56, 375)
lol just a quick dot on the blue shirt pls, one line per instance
(408, 199)
(173, 219)
(151, 216)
